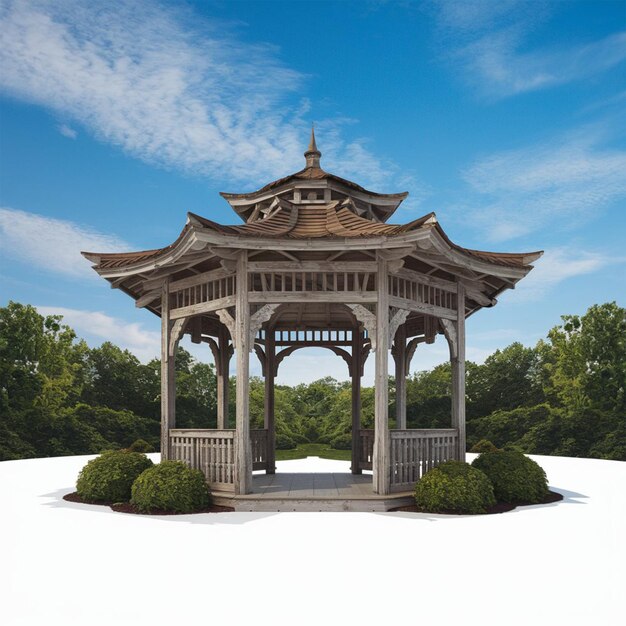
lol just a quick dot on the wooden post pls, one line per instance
(458, 373)
(222, 370)
(168, 374)
(400, 363)
(357, 346)
(381, 457)
(243, 451)
(269, 421)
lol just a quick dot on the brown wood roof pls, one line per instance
(335, 220)
(312, 173)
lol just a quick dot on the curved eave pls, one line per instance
(425, 233)
(385, 202)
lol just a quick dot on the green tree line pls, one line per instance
(564, 396)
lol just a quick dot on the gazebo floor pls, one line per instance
(313, 492)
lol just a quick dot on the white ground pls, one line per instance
(65, 563)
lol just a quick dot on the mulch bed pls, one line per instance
(500, 507)
(126, 507)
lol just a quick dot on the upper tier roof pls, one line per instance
(299, 186)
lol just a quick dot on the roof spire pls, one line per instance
(312, 155)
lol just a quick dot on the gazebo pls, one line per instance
(314, 264)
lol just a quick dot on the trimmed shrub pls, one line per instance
(140, 445)
(109, 477)
(285, 442)
(454, 486)
(514, 476)
(342, 442)
(170, 486)
(484, 445)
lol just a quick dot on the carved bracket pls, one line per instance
(397, 317)
(449, 330)
(410, 351)
(368, 320)
(264, 314)
(229, 321)
(175, 334)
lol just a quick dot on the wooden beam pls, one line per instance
(269, 421)
(357, 346)
(243, 451)
(198, 279)
(312, 266)
(381, 456)
(168, 376)
(420, 307)
(203, 307)
(312, 296)
(400, 357)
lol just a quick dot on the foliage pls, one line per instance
(304, 450)
(564, 396)
(454, 486)
(170, 486)
(140, 445)
(514, 476)
(484, 445)
(109, 477)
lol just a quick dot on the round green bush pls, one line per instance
(140, 445)
(484, 445)
(170, 486)
(454, 486)
(515, 477)
(109, 477)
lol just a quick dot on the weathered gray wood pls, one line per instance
(380, 466)
(203, 307)
(243, 453)
(222, 371)
(269, 418)
(168, 375)
(356, 370)
(458, 367)
(312, 266)
(198, 279)
(312, 296)
(420, 307)
(400, 357)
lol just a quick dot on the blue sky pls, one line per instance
(505, 118)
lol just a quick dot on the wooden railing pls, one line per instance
(414, 290)
(204, 292)
(211, 451)
(298, 282)
(414, 452)
(366, 448)
(258, 439)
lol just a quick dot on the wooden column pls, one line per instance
(269, 420)
(222, 369)
(381, 457)
(458, 373)
(357, 346)
(168, 374)
(243, 451)
(401, 367)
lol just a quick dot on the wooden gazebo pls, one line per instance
(314, 263)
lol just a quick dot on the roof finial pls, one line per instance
(312, 154)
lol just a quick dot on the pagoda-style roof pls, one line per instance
(313, 185)
(290, 220)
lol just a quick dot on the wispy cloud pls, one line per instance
(488, 41)
(67, 131)
(52, 244)
(168, 87)
(97, 327)
(556, 266)
(561, 183)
